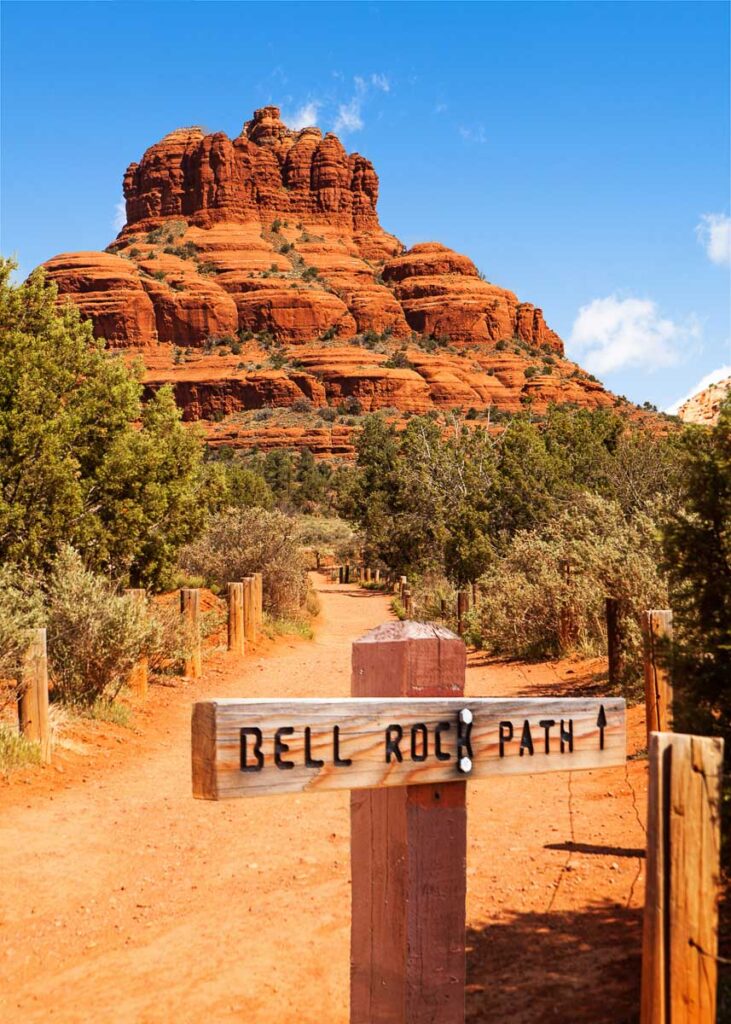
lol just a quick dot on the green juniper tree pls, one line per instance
(82, 462)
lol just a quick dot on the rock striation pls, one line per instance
(268, 245)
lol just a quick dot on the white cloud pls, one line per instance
(613, 334)
(440, 108)
(304, 116)
(710, 378)
(714, 232)
(120, 215)
(350, 114)
(349, 117)
(474, 134)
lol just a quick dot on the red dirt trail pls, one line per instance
(122, 899)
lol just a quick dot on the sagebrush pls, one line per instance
(239, 542)
(95, 634)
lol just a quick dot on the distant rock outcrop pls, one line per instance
(705, 406)
(268, 246)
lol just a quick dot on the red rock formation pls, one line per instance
(441, 293)
(704, 407)
(109, 291)
(275, 234)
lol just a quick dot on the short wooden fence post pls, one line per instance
(408, 851)
(408, 603)
(249, 586)
(680, 933)
(258, 600)
(463, 604)
(615, 652)
(657, 627)
(33, 703)
(377, 575)
(401, 588)
(236, 618)
(138, 675)
(190, 608)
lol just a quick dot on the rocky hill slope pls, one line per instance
(705, 406)
(253, 274)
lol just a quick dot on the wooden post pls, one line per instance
(377, 575)
(408, 603)
(615, 652)
(258, 600)
(33, 703)
(190, 608)
(236, 618)
(249, 608)
(408, 851)
(680, 934)
(443, 607)
(463, 603)
(401, 588)
(138, 675)
(657, 627)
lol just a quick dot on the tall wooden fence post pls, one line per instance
(190, 608)
(249, 585)
(463, 604)
(258, 600)
(236, 618)
(408, 851)
(680, 934)
(615, 654)
(33, 704)
(657, 627)
(138, 675)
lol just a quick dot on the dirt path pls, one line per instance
(124, 900)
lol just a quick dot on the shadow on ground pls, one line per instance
(576, 967)
(601, 851)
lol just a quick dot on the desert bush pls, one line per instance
(239, 542)
(95, 635)
(399, 360)
(428, 592)
(531, 606)
(329, 535)
(171, 636)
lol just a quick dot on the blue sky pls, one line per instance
(578, 152)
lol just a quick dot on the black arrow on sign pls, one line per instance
(602, 723)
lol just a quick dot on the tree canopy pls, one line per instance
(82, 461)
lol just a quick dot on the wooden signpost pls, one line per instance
(262, 747)
(405, 743)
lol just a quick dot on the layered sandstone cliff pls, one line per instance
(254, 272)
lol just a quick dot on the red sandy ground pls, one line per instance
(124, 900)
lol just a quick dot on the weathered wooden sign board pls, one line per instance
(262, 747)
